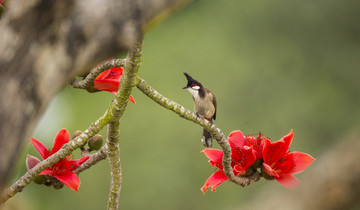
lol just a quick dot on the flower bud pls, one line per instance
(95, 142)
(58, 185)
(39, 179)
(31, 162)
(48, 183)
(76, 134)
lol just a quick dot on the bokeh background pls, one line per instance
(273, 65)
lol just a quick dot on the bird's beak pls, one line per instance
(185, 87)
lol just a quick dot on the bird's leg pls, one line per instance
(197, 115)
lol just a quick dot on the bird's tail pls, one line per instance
(207, 138)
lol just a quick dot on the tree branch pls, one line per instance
(93, 159)
(212, 128)
(113, 152)
(88, 81)
(128, 80)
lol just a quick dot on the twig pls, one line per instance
(212, 128)
(93, 159)
(88, 81)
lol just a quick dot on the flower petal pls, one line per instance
(42, 150)
(132, 99)
(249, 156)
(288, 181)
(215, 156)
(273, 151)
(236, 139)
(80, 161)
(238, 170)
(301, 161)
(70, 179)
(109, 80)
(288, 138)
(47, 171)
(269, 170)
(110, 74)
(257, 143)
(110, 85)
(214, 180)
(244, 157)
(62, 137)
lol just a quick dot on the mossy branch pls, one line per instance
(113, 152)
(128, 80)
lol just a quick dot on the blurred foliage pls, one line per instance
(273, 65)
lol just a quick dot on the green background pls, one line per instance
(273, 65)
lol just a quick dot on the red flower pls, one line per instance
(62, 170)
(257, 143)
(242, 157)
(281, 164)
(254, 141)
(109, 80)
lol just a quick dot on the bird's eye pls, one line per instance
(195, 87)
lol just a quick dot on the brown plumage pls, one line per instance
(204, 105)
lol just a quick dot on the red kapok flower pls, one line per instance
(62, 170)
(254, 141)
(242, 157)
(257, 143)
(109, 80)
(281, 164)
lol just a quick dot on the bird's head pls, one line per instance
(192, 84)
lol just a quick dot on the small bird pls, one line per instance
(204, 105)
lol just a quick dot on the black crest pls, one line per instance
(191, 81)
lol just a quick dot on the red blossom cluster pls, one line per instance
(61, 170)
(248, 153)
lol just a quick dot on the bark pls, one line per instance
(44, 44)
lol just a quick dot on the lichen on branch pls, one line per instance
(128, 80)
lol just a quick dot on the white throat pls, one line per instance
(194, 93)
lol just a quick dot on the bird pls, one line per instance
(204, 105)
